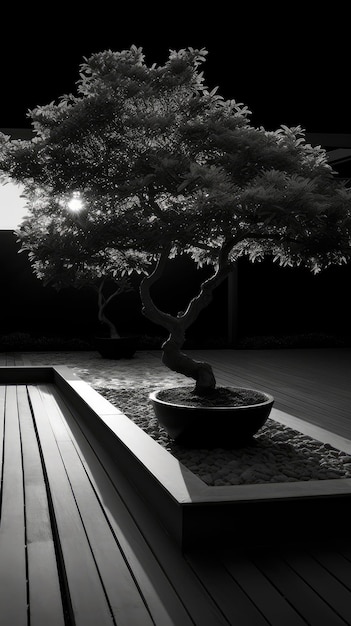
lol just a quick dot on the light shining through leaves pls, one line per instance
(76, 203)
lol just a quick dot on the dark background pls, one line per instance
(287, 66)
(273, 305)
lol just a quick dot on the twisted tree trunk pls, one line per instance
(113, 334)
(102, 304)
(177, 361)
(172, 355)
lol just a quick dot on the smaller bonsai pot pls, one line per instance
(212, 426)
(116, 347)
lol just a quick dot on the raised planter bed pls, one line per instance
(192, 511)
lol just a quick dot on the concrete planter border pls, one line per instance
(191, 511)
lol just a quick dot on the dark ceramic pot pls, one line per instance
(116, 348)
(209, 427)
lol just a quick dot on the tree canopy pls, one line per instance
(60, 259)
(161, 161)
(165, 167)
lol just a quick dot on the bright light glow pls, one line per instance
(76, 203)
(12, 206)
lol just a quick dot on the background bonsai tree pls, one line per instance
(59, 259)
(167, 167)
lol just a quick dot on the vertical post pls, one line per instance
(233, 305)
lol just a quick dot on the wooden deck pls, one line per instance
(314, 385)
(78, 547)
(70, 551)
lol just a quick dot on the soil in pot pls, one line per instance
(230, 417)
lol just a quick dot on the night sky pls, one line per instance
(288, 68)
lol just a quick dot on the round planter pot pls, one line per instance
(212, 426)
(116, 348)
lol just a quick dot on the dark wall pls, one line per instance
(271, 300)
(277, 300)
(29, 306)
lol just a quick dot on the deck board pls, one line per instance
(89, 603)
(13, 572)
(45, 601)
(236, 605)
(2, 424)
(334, 562)
(92, 508)
(169, 587)
(261, 591)
(322, 581)
(297, 592)
(126, 603)
(313, 385)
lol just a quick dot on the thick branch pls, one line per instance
(179, 362)
(172, 356)
(115, 293)
(203, 299)
(149, 309)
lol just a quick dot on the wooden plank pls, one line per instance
(45, 602)
(342, 547)
(300, 380)
(13, 585)
(167, 560)
(171, 590)
(286, 380)
(332, 559)
(261, 591)
(19, 374)
(321, 580)
(126, 602)
(291, 368)
(311, 384)
(2, 424)
(87, 597)
(309, 604)
(237, 607)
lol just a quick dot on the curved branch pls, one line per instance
(121, 289)
(149, 309)
(172, 356)
(202, 300)
(102, 303)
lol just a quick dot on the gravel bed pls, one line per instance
(277, 454)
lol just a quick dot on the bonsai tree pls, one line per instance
(59, 259)
(168, 167)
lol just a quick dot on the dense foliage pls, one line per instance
(165, 167)
(60, 259)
